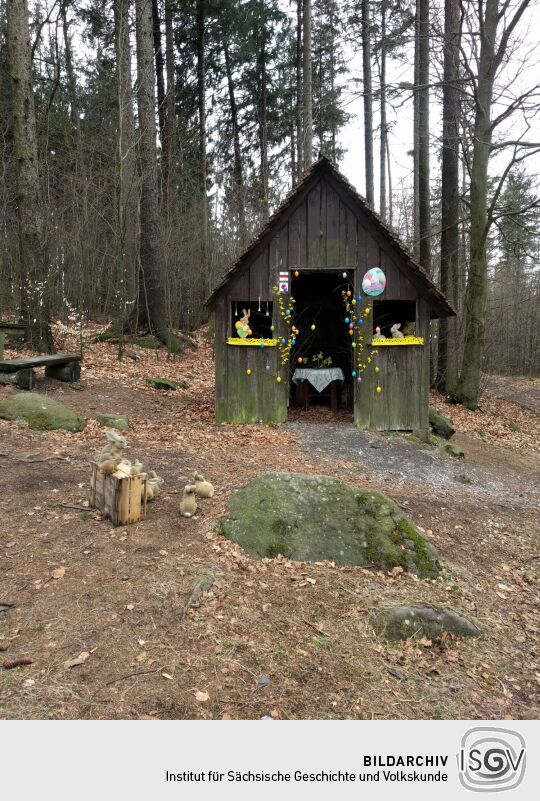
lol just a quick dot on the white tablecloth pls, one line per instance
(318, 378)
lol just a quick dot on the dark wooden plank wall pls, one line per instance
(323, 229)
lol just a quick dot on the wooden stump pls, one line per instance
(70, 372)
(25, 379)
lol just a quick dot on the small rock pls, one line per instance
(112, 420)
(454, 450)
(163, 383)
(402, 622)
(440, 424)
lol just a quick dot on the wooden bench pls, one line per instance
(62, 366)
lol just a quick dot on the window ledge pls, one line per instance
(385, 341)
(254, 343)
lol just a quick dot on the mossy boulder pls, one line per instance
(440, 424)
(118, 421)
(41, 412)
(314, 518)
(164, 383)
(402, 622)
(454, 450)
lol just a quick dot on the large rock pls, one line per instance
(403, 622)
(440, 424)
(40, 412)
(313, 518)
(118, 421)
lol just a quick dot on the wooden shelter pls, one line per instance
(300, 289)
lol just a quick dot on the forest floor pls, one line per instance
(113, 596)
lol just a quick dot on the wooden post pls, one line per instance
(25, 379)
(70, 372)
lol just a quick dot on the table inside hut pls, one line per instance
(319, 380)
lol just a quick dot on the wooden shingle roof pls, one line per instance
(440, 305)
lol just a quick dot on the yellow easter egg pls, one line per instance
(248, 371)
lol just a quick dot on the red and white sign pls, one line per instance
(283, 282)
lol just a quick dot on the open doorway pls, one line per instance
(322, 344)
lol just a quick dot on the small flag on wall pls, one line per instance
(284, 282)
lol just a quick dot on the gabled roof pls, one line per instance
(440, 306)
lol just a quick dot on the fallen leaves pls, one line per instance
(201, 696)
(79, 660)
(58, 573)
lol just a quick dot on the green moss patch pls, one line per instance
(316, 518)
(41, 412)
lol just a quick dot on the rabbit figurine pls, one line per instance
(203, 488)
(188, 504)
(242, 326)
(396, 333)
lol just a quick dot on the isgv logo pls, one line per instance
(491, 760)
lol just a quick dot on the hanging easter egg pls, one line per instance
(374, 282)
(288, 312)
(378, 390)
(351, 332)
(344, 275)
(353, 344)
(377, 369)
(272, 328)
(296, 273)
(346, 319)
(278, 379)
(262, 344)
(359, 379)
(353, 301)
(268, 367)
(313, 326)
(293, 341)
(283, 340)
(351, 325)
(248, 371)
(353, 373)
(300, 360)
(349, 293)
(360, 321)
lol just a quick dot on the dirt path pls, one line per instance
(493, 474)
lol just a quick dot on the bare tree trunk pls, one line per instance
(416, 134)
(33, 256)
(203, 169)
(447, 366)
(128, 181)
(238, 177)
(368, 103)
(160, 80)
(384, 125)
(299, 92)
(70, 74)
(422, 94)
(390, 197)
(476, 292)
(307, 86)
(169, 131)
(263, 114)
(151, 311)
